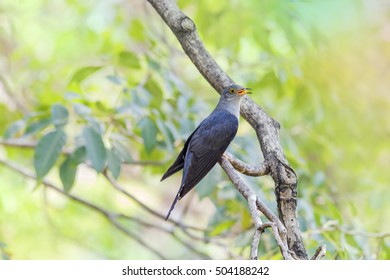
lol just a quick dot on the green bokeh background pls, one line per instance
(320, 68)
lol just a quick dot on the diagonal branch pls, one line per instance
(266, 128)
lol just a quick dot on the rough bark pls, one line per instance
(266, 128)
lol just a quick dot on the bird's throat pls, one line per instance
(231, 105)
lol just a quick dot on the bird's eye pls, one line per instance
(231, 90)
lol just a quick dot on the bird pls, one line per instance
(207, 143)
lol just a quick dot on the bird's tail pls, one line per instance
(172, 170)
(174, 203)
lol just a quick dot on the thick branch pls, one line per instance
(266, 128)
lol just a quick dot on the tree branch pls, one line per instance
(320, 253)
(266, 128)
(245, 168)
(254, 205)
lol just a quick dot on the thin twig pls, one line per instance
(283, 248)
(257, 223)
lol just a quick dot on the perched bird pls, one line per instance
(206, 145)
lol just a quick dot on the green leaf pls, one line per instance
(155, 89)
(168, 136)
(83, 73)
(68, 168)
(59, 115)
(81, 109)
(47, 151)
(149, 134)
(14, 128)
(79, 155)
(98, 126)
(37, 126)
(121, 151)
(129, 59)
(96, 152)
(137, 30)
(68, 173)
(114, 163)
(222, 227)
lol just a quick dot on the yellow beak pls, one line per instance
(244, 91)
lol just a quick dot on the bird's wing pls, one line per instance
(179, 162)
(205, 149)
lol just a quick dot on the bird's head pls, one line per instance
(234, 92)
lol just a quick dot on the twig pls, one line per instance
(257, 223)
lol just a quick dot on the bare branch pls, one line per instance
(245, 168)
(267, 129)
(258, 224)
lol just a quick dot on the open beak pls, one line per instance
(244, 91)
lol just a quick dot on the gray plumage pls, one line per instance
(206, 145)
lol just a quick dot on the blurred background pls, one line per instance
(107, 83)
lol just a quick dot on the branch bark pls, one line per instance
(267, 129)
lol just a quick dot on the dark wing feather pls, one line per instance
(179, 162)
(205, 149)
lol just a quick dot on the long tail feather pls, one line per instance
(173, 204)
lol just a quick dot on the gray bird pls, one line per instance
(206, 145)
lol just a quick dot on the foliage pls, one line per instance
(108, 90)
